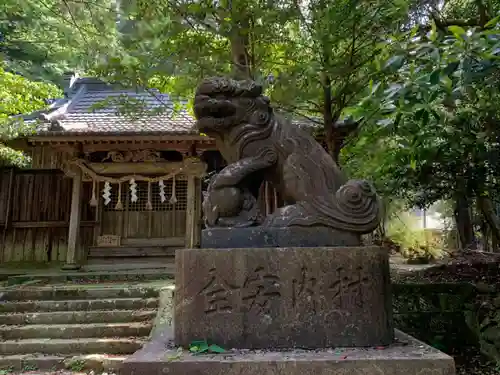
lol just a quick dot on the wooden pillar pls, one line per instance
(191, 212)
(74, 222)
(98, 216)
(8, 212)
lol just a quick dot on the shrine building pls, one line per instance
(106, 186)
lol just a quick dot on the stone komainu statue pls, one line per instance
(258, 146)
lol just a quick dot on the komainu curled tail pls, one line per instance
(359, 205)
(355, 207)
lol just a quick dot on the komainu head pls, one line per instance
(221, 103)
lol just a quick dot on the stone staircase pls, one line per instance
(75, 328)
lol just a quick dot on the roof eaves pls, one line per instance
(39, 114)
(76, 134)
(60, 112)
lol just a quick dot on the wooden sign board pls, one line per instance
(108, 240)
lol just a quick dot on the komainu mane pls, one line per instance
(258, 146)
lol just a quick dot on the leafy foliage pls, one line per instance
(42, 39)
(414, 242)
(436, 112)
(310, 57)
(19, 96)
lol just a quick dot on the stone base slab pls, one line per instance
(406, 356)
(220, 238)
(283, 297)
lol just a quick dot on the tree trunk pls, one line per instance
(327, 114)
(337, 141)
(464, 223)
(332, 139)
(494, 244)
(240, 48)
(485, 234)
(241, 59)
(486, 206)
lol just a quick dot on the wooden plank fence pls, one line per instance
(34, 215)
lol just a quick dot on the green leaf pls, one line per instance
(198, 347)
(216, 349)
(375, 87)
(197, 343)
(413, 164)
(395, 63)
(397, 120)
(435, 115)
(175, 356)
(434, 77)
(425, 118)
(447, 82)
(418, 114)
(433, 95)
(457, 31)
(435, 55)
(492, 22)
(385, 122)
(451, 68)
(433, 32)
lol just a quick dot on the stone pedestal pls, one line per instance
(263, 298)
(406, 356)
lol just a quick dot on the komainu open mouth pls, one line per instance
(206, 106)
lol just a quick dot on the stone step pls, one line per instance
(75, 331)
(67, 293)
(72, 346)
(39, 363)
(50, 365)
(79, 305)
(78, 317)
(79, 277)
(31, 362)
(134, 252)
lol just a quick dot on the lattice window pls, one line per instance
(142, 195)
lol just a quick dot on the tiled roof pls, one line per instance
(93, 107)
(78, 114)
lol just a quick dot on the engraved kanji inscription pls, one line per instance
(259, 289)
(348, 287)
(305, 290)
(220, 296)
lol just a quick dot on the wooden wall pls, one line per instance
(34, 216)
(43, 157)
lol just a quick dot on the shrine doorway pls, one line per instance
(154, 214)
